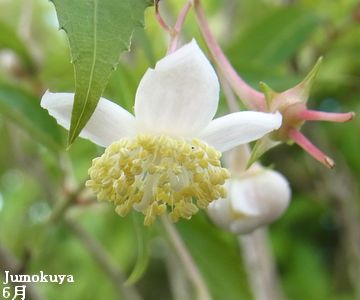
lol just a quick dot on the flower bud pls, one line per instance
(292, 104)
(253, 201)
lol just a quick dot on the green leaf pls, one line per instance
(98, 31)
(24, 109)
(276, 37)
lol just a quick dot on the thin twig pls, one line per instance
(178, 280)
(249, 96)
(186, 258)
(259, 261)
(101, 256)
(177, 28)
(173, 31)
(341, 192)
(159, 17)
(62, 206)
(260, 266)
(10, 263)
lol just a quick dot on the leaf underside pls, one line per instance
(98, 31)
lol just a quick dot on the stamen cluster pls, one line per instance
(154, 173)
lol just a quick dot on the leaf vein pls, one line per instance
(91, 71)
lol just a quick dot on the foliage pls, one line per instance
(98, 32)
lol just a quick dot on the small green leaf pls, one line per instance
(268, 92)
(261, 146)
(98, 31)
(24, 109)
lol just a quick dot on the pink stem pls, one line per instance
(310, 148)
(159, 17)
(313, 115)
(251, 98)
(177, 28)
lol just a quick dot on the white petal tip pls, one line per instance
(46, 99)
(179, 97)
(277, 120)
(109, 122)
(59, 106)
(238, 128)
(253, 202)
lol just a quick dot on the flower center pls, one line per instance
(153, 173)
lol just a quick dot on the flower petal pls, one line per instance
(238, 128)
(253, 201)
(219, 212)
(110, 122)
(258, 200)
(180, 96)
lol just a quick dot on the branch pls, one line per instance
(260, 266)
(9, 262)
(186, 258)
(251, 98)
(100, 255)
(341, 191)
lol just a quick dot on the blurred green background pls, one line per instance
(48, 222)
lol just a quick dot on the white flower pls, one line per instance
(165, 155)
(253, 201)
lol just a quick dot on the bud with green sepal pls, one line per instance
(292, 104)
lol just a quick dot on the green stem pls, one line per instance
(187, 260)
(105, 262)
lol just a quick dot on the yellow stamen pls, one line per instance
(153, 173)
